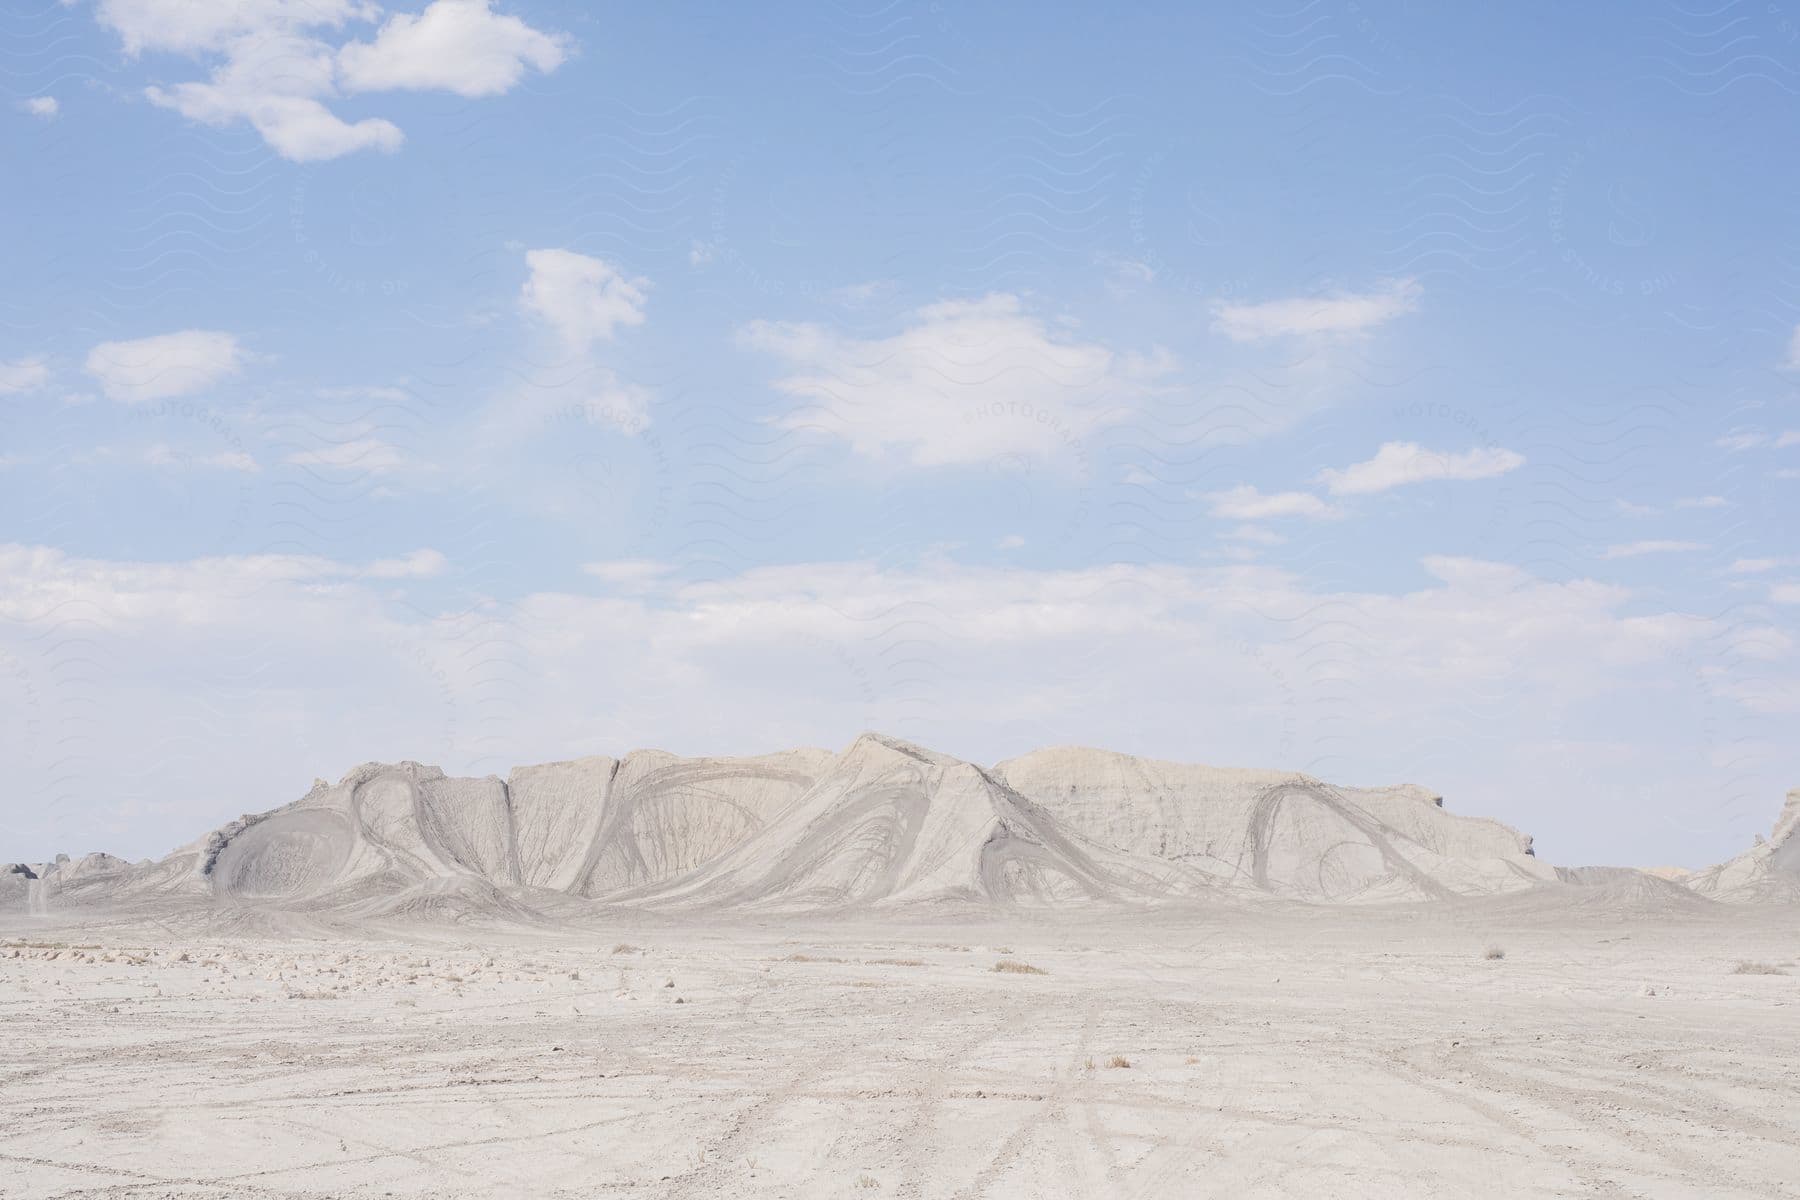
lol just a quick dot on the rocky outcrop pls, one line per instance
(883, 825)
(1769, 870)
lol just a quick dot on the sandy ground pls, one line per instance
(1341, 1054)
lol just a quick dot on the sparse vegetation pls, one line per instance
(627, 948)
(896, 962)
(1008, 966)
(811, 958)
(867, 1182)
(1494, 953)
(1757, 968)
(1118, 1062)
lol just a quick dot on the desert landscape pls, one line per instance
(921, 600)
(889, 972)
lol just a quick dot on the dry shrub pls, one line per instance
(1118, 1062)
(1494, 953)
(1007, 966)
(627, 948)
(1757, 968)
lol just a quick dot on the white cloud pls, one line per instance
(240, 679)
(584, 299)
(1785, 593)
(628, 574)
(1255, 535)
(277, 85)
(966, 381)
(1743, 439)
(161, 455)
(1627, 508)
(1703, 502)
(1651, 546)
(857, 295)
(1792, 361)
(459, 46)
(1788, 437)
(22, 375)
(278, 64)
(44, 108)
(1246, 503)
(1754, 566)
(1339, 313)
(1125, 275)
(420, 564)
(184, 27)
(1399, 463)
(168, 365)
(357, 454)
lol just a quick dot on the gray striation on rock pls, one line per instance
(884, 825)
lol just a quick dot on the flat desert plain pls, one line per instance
(1492, 1048)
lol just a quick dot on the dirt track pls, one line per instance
(1369, 1054)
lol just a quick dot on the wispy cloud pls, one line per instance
(358, 454)
(1751, 439)
(22, 375)
(1246, 503)
(420, 564)
(1336, 313)
(161, 455)
(1651, 546)
(1397, 464)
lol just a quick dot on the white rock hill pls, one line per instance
(885, 825)
(1770, 870)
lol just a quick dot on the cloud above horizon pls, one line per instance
(1397, 464)
(965, 381)
(210, 663)
(278, 64)
(165, 366)
(21, 375)
(1338, 313)
(1246, 503)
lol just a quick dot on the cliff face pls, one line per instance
(1770, 870)
(884, 824)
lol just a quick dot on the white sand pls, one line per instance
(777, 977)
(1368, 1052)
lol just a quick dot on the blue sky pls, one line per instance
(1381, 393)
